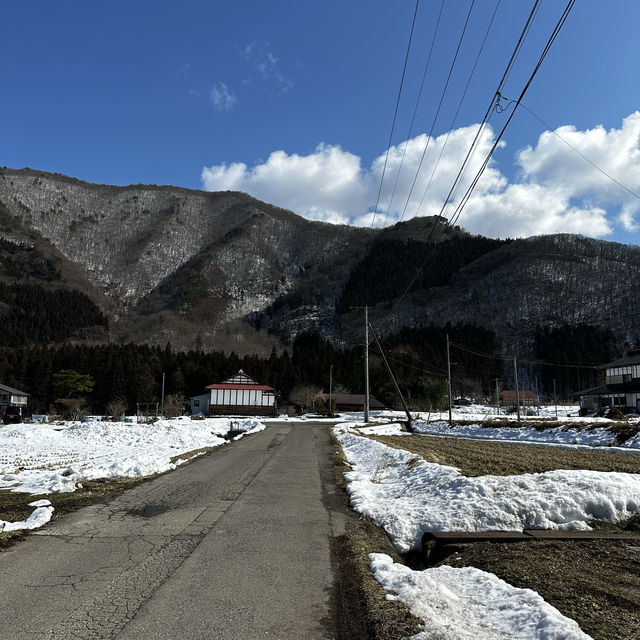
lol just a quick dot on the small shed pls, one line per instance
(13, 403)
(238, 395)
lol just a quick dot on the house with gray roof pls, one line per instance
(621, 388)
(13, 404)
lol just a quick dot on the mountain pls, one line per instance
(151, 264)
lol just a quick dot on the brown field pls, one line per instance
(593, 582)
(481, 457)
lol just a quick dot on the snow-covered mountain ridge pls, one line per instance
(167, 263)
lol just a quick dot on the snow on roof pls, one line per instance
(240, 381)
(228, 385)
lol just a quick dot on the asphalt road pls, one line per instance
(232, 545)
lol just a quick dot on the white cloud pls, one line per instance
(222, 97)
(262, 59)
(556, 190)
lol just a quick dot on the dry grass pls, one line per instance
(189, 455)
(594, 583)
(366, 613)
(480, 457)
(362, 610)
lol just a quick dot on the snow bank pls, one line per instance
(40, 516)
(467, 604)
(407, 495)
(48, 458)
(597, 437)
(391, 429)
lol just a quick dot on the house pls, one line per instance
(238, 395)
(351, 402)
(13, 403)
(527, 398)
(621, 388)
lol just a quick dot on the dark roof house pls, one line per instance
(12, 403)
(621, 386)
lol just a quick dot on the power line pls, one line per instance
(395, 114)
(540, 362)
(471, 148)
(435, 118)
(415, 111)
(593, 164)
(543, 55)
(455, 117)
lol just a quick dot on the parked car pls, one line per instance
(13, 415)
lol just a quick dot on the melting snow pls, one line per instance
(407, 495)
(467, 604)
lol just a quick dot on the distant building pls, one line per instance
(351, 402)
(621, 388)
(238, 395)
(527, 398)
(13, 404)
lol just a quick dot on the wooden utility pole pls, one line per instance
(515, 373)
(497, 399)
(555, 397)
(162, 397)
(330, 391)
(366, 364)
(449, 379)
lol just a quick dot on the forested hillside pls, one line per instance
(215, 272)
(385, 271)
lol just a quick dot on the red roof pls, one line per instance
(227, 385)
(524, 395)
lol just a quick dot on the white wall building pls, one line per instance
(238, 395)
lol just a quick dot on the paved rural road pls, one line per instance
(233, 545)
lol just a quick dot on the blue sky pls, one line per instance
(292, 102)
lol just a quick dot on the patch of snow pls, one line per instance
(597, 437)
(469, 604)
(390, 429)
(407, 496)
(39, 517)
(56, 458)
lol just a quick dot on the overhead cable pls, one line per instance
(395, 114)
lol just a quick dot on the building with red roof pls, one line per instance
(238, 395)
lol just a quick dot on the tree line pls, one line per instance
(133, 373)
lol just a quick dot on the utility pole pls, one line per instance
(330, 390)
(449, 379)
(555, 397)
(393, 379)
(515, 373)
(497, 399)
(366, 363)
(162, 397)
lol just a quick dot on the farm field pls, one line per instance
(593, 583)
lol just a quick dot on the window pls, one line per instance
(196, 403)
